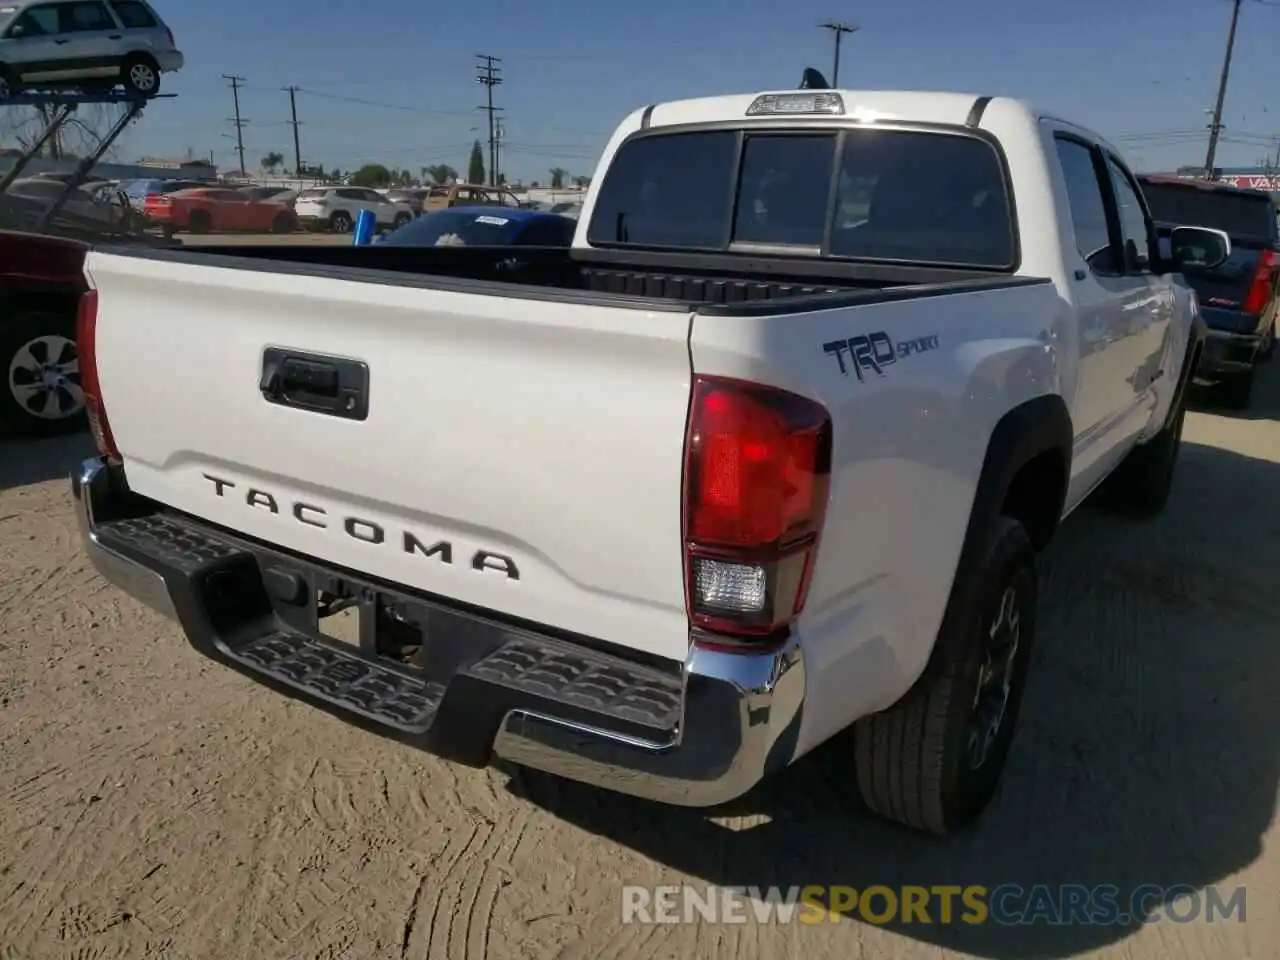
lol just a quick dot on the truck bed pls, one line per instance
(679, 282)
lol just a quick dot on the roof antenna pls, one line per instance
(813, 80)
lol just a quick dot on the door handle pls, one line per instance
(59, 42)
(116, 36)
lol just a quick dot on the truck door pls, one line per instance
(1113, 301)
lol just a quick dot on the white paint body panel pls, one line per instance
(548, 432)
(553, 431)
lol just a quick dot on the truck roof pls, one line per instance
(912, 106)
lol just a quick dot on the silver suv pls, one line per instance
(84, 43)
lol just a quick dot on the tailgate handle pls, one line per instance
(335, 386)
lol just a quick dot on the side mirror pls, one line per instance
(1198, 248)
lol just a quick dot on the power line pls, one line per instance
(235, 99)
(487, 74)
(838, 28)
(1215, 128)
(293, 113)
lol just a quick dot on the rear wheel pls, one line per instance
(340, 222)
(140, 76)
(40, 394)
(199, 222)
(933, 760)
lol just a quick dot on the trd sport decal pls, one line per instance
(872, 352)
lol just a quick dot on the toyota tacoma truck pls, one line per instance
(766, 455)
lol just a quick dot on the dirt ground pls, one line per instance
(155, 805)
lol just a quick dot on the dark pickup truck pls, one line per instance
(1237, 299)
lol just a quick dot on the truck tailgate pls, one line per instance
(541, 441)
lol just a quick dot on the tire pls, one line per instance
(199, 222)
(140, 76)
(1139, 488)
(933, 760)
(1236, 392)
(284, 223)
(341, 222)
(37, 402)
(400, 220)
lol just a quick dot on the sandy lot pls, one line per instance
(154, 805)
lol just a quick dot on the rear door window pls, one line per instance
(85, 17)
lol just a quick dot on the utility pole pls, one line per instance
(235, 98)
(499, 133)
(293, 111)
(839, 28)
(1215, 128)
(487, 73)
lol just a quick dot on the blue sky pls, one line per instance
(1142, 72)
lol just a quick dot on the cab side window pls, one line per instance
(1134, 226)
(1086, 192)
(36, 22)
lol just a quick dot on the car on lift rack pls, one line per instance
(84, 43)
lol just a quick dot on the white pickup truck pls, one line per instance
(766, 456)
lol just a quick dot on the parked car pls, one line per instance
(87, 203)
(207, 209)
(335, 208)
(138, 190)
(41, 280)
(483, 226)
(767, 455)
(413, 196)
(573, 209)
(1239, 297)
(84, 43)
(468, 194)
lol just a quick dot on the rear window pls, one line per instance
(134, 15)
(904, 196)
(1236, 214)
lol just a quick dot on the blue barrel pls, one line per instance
(366, 224)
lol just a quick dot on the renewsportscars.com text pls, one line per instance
(1005, 905)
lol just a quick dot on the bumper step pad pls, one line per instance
(518, 667)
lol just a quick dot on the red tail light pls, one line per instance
(1259, 294)
(87, 356)
(757, 472)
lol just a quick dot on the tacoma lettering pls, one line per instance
(365, 531)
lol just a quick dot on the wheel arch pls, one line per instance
(1024, 474)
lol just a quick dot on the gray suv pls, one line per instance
(84, 44)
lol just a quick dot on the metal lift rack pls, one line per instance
(65, 105)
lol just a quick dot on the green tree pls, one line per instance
(441, 173)
(273, 161)
(557, 177)
(582, 182)
(475, 166)
(533, 184)
(372, 175)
